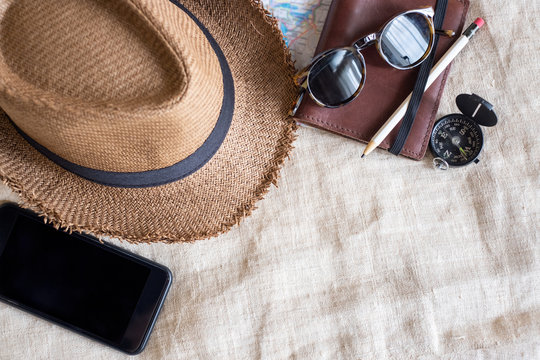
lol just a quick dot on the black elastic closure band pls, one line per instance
(420, 85)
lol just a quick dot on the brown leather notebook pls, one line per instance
(385, 87)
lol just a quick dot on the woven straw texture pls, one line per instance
(161, 131)
(121, 86)
(379, 258)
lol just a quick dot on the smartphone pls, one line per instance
(93, 288)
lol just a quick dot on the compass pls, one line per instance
(457, 139)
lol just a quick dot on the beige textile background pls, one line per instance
(366, 259)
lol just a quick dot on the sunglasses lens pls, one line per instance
(336, 77)
(406, 39)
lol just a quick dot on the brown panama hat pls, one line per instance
(148, 120)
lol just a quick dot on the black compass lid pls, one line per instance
(476, 108)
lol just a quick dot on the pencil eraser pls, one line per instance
(479, 22)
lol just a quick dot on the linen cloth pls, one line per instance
(379, 258)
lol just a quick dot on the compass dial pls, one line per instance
(457, 139)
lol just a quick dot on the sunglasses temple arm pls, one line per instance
(299, 76)
(299, 99)
(445, 33)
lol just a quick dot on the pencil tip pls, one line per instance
(363, 155)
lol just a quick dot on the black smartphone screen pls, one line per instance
(78, 282)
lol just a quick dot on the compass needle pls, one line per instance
(463, 152)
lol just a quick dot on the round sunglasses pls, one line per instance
(336, 76)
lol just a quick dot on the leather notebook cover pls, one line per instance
(385, 87)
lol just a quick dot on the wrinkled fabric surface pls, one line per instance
(379, 258)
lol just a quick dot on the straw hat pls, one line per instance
(147, 120)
